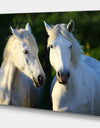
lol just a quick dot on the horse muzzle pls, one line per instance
(39, 81)
(63, 77)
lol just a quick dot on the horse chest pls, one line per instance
(70, 101)
(20, 95)
(19, 99)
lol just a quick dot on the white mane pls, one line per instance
(76, 49)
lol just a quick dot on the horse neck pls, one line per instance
(77, 71)
(11, 75)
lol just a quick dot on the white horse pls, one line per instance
(21, 73)
(76, 87)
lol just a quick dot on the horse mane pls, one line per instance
(76, 48)
(26, 35)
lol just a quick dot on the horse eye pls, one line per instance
(51, 46)
(70, 46)
(25, 52)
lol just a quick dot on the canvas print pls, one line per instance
(51, 61)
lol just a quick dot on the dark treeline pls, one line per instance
(87, 31)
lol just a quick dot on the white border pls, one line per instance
(20, 6)
(12, 117)
(18, 117)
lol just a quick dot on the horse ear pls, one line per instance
(27, 27)
(14, 32)
(70, 26)
(48, 28)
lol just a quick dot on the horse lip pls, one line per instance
(36, 84)
(63, 81)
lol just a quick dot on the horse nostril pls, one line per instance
(62, 74)
(40, 79)
(68, 74)
(59, 73)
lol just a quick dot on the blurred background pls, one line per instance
(87, 32)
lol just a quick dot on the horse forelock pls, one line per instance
(76, 48)
(26, 35)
